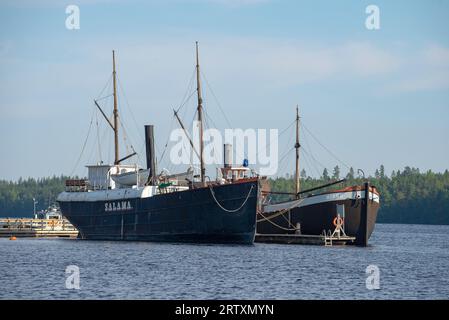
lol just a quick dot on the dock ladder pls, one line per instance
(327, 238)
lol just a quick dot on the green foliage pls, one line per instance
(406, 197)
(350, 175)
(325, 175)
(16, 198)
(336, 174)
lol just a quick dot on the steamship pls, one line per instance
(353, 209)
(125, 202)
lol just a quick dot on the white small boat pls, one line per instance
(131, 178)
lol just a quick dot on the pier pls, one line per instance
(25, 227)
(322, 240)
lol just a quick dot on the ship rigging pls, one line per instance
(123, 202)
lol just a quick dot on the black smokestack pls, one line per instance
(151, 156)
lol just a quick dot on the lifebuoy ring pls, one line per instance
(338, 221)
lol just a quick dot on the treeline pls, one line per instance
(407, 196)
(16, 198)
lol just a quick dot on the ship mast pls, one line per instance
(116, 160)
(200, 117)
(114, 126)
(297, 146)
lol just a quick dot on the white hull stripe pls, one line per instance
(335, 196)
(107, 195)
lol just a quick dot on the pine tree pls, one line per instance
(350, 175)
(377, 174)
(336, 173)
(325, 176)
(382, 171)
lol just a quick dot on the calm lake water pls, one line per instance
(413, 261)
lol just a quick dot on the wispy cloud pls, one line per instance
(422, 82)
(426, 70)
(233, 63)
(437, 56)
(365, 59)
(281, 62)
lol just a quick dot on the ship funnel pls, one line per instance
(151, 155)
(227, 155)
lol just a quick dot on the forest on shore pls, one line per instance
(407, 196)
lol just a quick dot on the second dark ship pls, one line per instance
(353, 208)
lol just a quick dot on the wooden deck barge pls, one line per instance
(25, 227)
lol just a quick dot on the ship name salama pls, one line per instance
(117, 206)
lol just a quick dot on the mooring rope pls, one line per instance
(264, 218)
(281, 211)
(275, 224)
(228, 210)
(289, 223)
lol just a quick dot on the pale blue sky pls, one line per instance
(372, 97)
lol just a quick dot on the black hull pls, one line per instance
(315, 218)
(185, 216)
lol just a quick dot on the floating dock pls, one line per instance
(25, 227)
(322, 240)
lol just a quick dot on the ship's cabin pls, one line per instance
(232, 174)
(51, 213)
(103, 176)
(107, 176)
